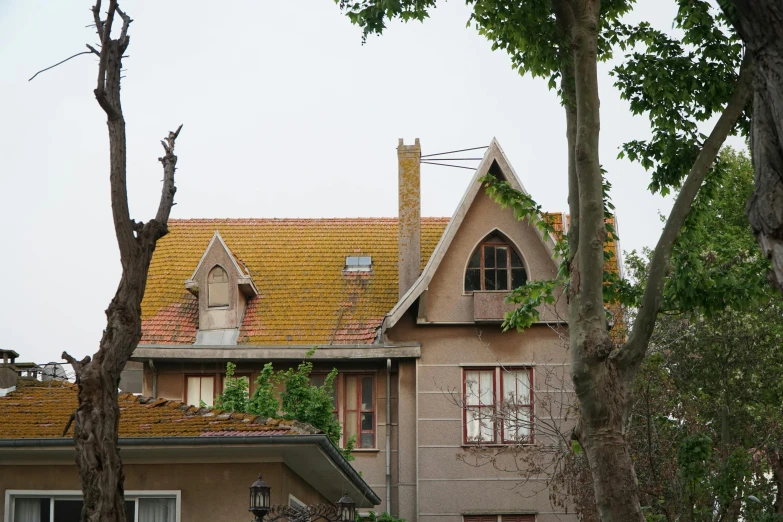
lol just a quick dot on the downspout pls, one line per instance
(388, 435)
(154, 379)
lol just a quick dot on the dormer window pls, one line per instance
(217, 291)
(494, 265)
(358, 264)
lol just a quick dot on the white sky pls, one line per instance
(286, 115)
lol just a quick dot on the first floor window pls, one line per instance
(499, 518)
(68, 508)
(353, 399)
(200, 388)
(498, 405)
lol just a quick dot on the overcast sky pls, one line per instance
(285, 114)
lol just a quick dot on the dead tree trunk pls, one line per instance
(760, 24)
(96, 421)
(602, 376)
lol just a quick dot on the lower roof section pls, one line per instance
(346, 352)
(312, 457)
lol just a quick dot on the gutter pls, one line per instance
(320, 440)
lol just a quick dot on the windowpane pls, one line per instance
(475, 259)
(217, 291)
(31, 509)
(367, 393)
(472, 279)
(485, 393)
(518, 277)
(367, 421)
(471, 388)
(472, 425)
(367, 440)
(487, 425)
(516, 262)
(207, 390)
(67, 510)
(502, 257)
(489, 256)
(502, 279)
(350, 392)
(194, 390)
(489, 280)
(351, 424)
(157, 510)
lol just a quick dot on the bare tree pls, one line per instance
(96, 420)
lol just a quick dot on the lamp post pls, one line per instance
(261, 507)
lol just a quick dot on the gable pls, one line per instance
(494, 161)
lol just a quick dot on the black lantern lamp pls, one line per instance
(260, 498)
(346, 509)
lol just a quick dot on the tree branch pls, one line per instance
(58, 63)
(630, 356)
(77, 365)
(169, 161)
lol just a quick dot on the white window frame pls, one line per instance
(295, 502)
(74, 494)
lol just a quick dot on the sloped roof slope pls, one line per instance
(305, 297)
(37, 410)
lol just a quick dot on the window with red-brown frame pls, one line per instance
(499, 518)
(354, 405)
(200, 388)
(516, 405)
(498, 405)
(494, 265)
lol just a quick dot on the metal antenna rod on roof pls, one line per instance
(453, 151)
(447, 165)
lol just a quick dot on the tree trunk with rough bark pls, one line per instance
(760, 25)
(603, 376)
(96, 420)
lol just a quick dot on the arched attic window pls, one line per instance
(217, 287)
(495, 265)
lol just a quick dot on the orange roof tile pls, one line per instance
(296, 264)
(41, 410)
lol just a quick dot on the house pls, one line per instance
(409, 311)
(181, 463)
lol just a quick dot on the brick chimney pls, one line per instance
(409, 224)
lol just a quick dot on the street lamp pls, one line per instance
(260, 498)
(260, 505)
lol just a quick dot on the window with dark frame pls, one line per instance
(498, 405)
(318, 379)
(494, 265)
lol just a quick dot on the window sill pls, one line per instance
(365, 450)
(496, 445)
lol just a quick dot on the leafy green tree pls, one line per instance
(297, 399)
(563, 40)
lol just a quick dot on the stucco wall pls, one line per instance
(447, 486)
(209, 492)
(446, 299)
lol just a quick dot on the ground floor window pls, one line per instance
(66, 506)
(499, 518)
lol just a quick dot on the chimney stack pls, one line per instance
(409, 223)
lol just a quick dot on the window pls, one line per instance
(244, 376)
(66, 506)
(358, 263)
(217, 287)
(354, 405)
(499, 518)
(479, 392)
(517, 404)
(360, 409)
(200, 388)
(295, 502)
(494, 265)
(498, 405)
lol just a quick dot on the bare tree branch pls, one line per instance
(630, 356)
(169, 161)
(58, 63)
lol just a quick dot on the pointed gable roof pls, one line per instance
(242, 271)
(493, 155)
